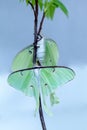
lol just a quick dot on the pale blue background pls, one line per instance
(16, 32)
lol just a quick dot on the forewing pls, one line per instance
(51, 53)
(24, 59)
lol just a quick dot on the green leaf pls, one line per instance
(49, 9)
(27, 2)
(40, 2)
(59, 4)
(33, 2)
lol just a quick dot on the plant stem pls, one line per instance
(41, 115)
(36, 33)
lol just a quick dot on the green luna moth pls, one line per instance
(39, 80)
(47, 54)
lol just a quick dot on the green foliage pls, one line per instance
(49, 7)
(40, 2)
(59, 4)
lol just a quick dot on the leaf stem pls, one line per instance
(41, 115)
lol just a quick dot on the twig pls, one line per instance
(41, 23)
(31, 7)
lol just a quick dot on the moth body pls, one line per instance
(41, 50)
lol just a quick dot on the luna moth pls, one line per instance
(41, 80)
(47, 54)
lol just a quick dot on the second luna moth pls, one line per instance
(47, 55)
(41, 81)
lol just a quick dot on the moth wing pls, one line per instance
(24, 81)
(51, 78)
(51, 53)
(24, 59)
